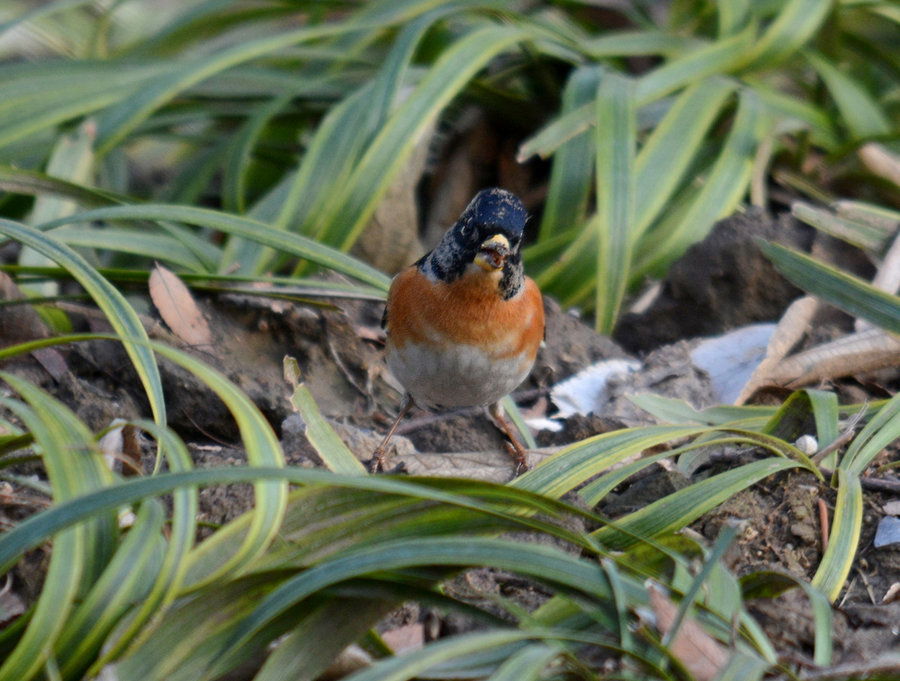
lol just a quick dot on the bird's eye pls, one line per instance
(468, 231)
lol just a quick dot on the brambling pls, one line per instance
(464, 323)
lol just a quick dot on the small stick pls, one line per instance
(823, 523)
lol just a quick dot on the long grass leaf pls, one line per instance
(182, 530)
(527, 664)
(126, 581)
(843, 541)
(723, 189)
(32, 182)
(577, 463)
(53, 93)
(146, 244)
(551, 566)
(332, 450)
(669, 150)
(616, 190)
(794, 25)
(120, 314)
(859, 110)
(80, 553)
(681, 508)
(878, 433)
(771, 584)
(718, 58)
(250, 229)
(263, 449)
(573, 162)
(119, 121)
(349, 208)
(843, 290)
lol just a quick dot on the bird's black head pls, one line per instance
(487, 234)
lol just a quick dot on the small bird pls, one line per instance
(464, 323)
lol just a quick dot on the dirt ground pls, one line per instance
(719, 285)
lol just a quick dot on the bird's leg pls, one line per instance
(378, 455)
(516, 450)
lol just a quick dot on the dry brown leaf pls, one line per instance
(404, 638)
(853, 354)
(793, 324)
(880, 161)
(18, 323)
(177, 307)
(702, 655)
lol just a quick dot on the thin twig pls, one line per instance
(845, 436)
(823, 523)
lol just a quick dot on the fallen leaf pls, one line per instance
(18, 323)
(702, 655)
(404, 638)
(177, 307)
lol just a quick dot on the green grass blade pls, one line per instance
(250, 229)
(32, 182)
(772, 584)
(843, 541)
(332, 450)
(616, 188)
(795, 24)
(119, 121)
(527, 664)
(842, 290)
(717, 58)
(312, 646)
(182, 531)
(348, 209)
(793, 417)
(125, 582)
(263, 449)
(579, 462)
(681, 508)
(733, 15)
(80, 552)
(551, 566)
(240, 153)
(518, 420)
(671, 410)
(147, 244)
(878, 433)
(860, 112)
(671, 147)
(573, 162)
(39, 97)
(865, 235)
(723, 189)
(120, 314)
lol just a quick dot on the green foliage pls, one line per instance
(300, 115)
(276, 129)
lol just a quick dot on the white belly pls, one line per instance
(461, 377)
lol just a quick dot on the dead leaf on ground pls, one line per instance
(404, 638)
(177, 307)
(18, 323)
(702, 655)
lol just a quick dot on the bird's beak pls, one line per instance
(492, 253)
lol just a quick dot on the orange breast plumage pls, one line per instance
(460, 343)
